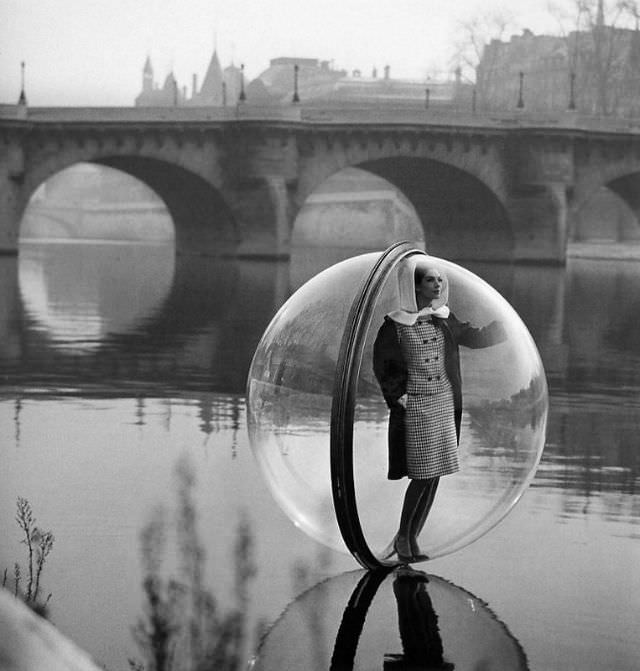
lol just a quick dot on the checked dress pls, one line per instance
(430, 430)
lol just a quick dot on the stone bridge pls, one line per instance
(234, 179)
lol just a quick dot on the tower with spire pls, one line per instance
(147, 76)
(152, 95)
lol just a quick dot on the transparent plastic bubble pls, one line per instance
(292, 386)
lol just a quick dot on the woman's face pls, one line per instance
(430, 286)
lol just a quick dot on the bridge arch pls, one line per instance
(620, 180)
(88, 200)
(459, 215)
(203, 221)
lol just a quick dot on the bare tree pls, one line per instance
(475, 33)
(598, 48)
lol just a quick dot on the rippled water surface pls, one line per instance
(122, 376)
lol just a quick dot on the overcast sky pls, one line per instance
(91, 52)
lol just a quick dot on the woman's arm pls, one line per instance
(474, 337)
(388, 364)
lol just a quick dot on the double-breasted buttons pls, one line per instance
(423, 347)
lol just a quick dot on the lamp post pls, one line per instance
(572, 91)
(22, 100)
(520, 103)
(296, 97)
(242, 97)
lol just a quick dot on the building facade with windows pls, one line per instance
(313, 80)
(593, 72)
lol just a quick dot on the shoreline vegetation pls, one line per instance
(39, 544)
(182, 625)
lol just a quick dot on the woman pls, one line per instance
(417, 364)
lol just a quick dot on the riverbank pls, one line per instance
(614, 251)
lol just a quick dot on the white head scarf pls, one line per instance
(408, 313)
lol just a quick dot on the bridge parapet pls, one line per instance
(308, 114)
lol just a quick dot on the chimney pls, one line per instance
(386, 71)
(194, 85)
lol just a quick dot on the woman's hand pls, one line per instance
(402, 401)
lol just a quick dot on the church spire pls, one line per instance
(211, 89)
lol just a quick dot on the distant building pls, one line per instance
(219, 87)
(316, 81)
(153, 95)
(593, 72)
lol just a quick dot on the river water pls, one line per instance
(122, 373)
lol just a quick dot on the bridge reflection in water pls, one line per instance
(118, 316)
(117, 321)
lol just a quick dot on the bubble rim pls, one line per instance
(343, 404)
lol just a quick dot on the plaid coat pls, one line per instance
(390, 370)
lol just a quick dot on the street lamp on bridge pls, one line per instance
(572, 92)
(296, 97)
(243, 96)
(520, 103)
(22, 100)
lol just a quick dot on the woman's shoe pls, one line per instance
(390, 550)
(403, 557)
(408, 557)
(416, 552)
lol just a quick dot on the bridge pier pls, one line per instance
(12, 204)
(537, 203)
(538, 217)
(263, 210)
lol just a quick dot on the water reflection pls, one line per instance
(128, 319)
(141, 322)
(422, 646)
(78, 296)
(91, 438)
(592, 437)
(183, 625)
(402, 620)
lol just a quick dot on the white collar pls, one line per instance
(409, 318)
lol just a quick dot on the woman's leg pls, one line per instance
(422, 510)
(410, 508)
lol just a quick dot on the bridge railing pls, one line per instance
(330, 114)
